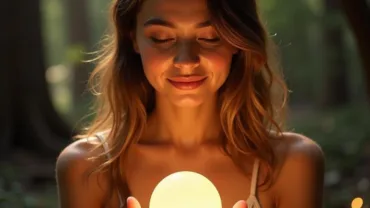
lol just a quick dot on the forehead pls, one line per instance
(174, 10)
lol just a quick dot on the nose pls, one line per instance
(187, 55)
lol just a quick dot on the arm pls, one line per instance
(75, 190)
(300, 181)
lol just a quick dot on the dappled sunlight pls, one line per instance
(320, 60)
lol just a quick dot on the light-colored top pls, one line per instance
(252, 200)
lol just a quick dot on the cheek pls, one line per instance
(155, 63)
(218, 63)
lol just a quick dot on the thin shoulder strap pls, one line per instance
(109, 156)
(254, 177)
(105, 145)
(252, 201)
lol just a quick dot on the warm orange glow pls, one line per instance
(357, 203)
(183, 190)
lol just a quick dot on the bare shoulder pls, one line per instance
(289, 146)
(296, 152)
(76, 155)
(300, 171)
(76, 188)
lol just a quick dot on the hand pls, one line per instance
(134, 203)
(241, 204)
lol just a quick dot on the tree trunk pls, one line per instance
(31, 122)
(6, 73)
(336, 92)
(358, 16)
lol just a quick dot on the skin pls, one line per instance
(189, 51)
(183, 133)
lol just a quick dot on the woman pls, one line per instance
(189, 85)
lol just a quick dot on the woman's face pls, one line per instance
(184, 58)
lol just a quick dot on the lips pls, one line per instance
(187, 78)
(187, 82)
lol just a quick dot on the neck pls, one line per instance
(184, 127)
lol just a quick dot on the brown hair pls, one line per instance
(250, 105)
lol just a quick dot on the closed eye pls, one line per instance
(210, 40)
(159, 41)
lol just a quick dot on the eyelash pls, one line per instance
(159, 41)
(162, 41)
(212, 40)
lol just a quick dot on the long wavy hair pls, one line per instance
(252, 99)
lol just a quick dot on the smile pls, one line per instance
(188, 82)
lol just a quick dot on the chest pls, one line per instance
(146, 169)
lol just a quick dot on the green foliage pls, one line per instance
(299, 31)
(299, 26)
(14, 194)
(75, 53)
(341, 133)
(54, 31)
(344, 136)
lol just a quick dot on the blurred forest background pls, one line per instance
(324, 47)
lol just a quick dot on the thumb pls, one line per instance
(240, 204)
(132, 202)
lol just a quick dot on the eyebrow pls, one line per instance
(161, 22)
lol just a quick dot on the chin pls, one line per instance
(187, 101)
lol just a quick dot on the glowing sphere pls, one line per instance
(183, 190)
(357, 203)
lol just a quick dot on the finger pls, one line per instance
(132, 202)
(240, 204)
